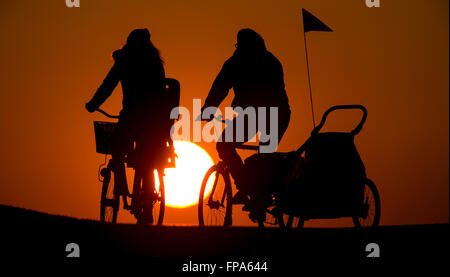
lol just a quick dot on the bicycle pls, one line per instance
(305, 197)
(114, 189)
(217, 209)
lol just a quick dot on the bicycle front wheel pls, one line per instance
(109, 201)
(214, 203)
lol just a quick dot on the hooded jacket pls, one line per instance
(141, 76)
(256, 78)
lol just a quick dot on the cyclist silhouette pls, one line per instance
(256, 77)
(139, 68)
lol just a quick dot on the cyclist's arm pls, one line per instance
(106, 88)
(220, 87)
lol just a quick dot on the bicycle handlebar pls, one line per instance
(106, 114)
(343, 107)
(240, 146)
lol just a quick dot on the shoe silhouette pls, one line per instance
(240, 198)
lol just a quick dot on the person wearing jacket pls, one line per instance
(139, 68)
(256, 77)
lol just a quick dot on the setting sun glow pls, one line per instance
(182, 184)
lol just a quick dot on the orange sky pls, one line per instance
(393, 59)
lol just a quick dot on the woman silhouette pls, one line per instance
(139, 68)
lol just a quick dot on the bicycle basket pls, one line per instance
(104, 136)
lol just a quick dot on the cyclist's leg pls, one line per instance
(227, 149)
(120, 178)
(135, 200)
(122, 141)
(227, 152)
(148, 194)
(260, 196)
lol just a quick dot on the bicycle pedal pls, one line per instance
(246, 208)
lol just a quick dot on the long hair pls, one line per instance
(139, 46)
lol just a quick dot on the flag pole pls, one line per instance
(309, 81)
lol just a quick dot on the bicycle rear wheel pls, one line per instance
(109, 201)
(149, 209)
(159, 200)
(371, 207)
(214, 208)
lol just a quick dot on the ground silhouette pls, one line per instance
(33, 235)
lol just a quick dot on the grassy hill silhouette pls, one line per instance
(30, 234)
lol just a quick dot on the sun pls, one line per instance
(182, 183)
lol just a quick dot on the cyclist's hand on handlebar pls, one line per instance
(200, 118)
(90, 108)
